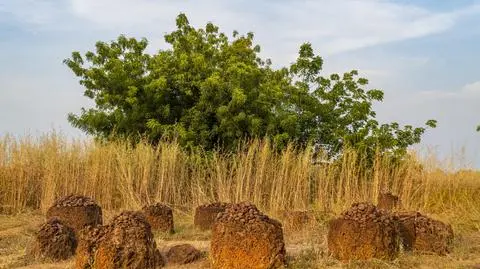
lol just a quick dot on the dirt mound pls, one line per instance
(160, 217)
(243, 238)
(423, 234)
(296, 220)
(125, 243)
(54, 241)
(88, 239)
(388, 201)
(183, 254)
(74, 200)
(76, 211)
(363, 232)
(205, 215)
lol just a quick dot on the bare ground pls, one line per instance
(306, 249)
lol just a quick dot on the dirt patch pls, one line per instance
(306, 249)
(423, 234)
(363, 232)
(183, 254)
(160, 217)
(242, 237)
(205, 215)
(76, 211)
(125, 243)
(54, 241)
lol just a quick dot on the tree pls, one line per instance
(211, 91)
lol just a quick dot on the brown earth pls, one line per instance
(54, 241)
(88, 240)
(305, 249)
(363, 232)
(160, 217)
(127, 242)
(183, 254)
(243, 238)
(205, 215)
(76, 211)
(423, 234)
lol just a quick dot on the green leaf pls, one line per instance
(207, 90)
(431, 123)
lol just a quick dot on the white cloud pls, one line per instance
(117, 13)
(333, 26)
(457, 113)
(35, 12)
(151, 16)
(472, 89)
(470, 92)
(339, 26)
(36, 102)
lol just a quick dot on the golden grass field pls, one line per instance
(36, 170)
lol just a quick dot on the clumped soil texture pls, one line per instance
(76, 211)
(364, 232)
(160, 217)
(127, 242)
(54, 241)
(183, 254)
(243, 238)
(205, 215)
(424, 235)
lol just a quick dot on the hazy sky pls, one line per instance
(422, 53)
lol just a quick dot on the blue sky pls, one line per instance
(422, 53)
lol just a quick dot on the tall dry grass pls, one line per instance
(36, 170)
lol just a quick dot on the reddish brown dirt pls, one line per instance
(54, 241)
(205, 215)
(76, 211)
(88, 239)
(243, 238)
(125, 243)
(388, 201)
(183, 254)
(423, 234)
(363, 232)
(160, 217)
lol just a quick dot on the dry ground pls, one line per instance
(306, 249)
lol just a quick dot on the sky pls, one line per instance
(421, 53)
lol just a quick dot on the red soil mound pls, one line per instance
(54, 241)
(76, 211)
(160, 217)
(183, 254)
(243, 238)
(423, 234)
(363, 232)
(125, 243)
(205, 215)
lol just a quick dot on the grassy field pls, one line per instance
(34, 171)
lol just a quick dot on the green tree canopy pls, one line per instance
(211, 91)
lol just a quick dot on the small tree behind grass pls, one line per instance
(211, 91)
